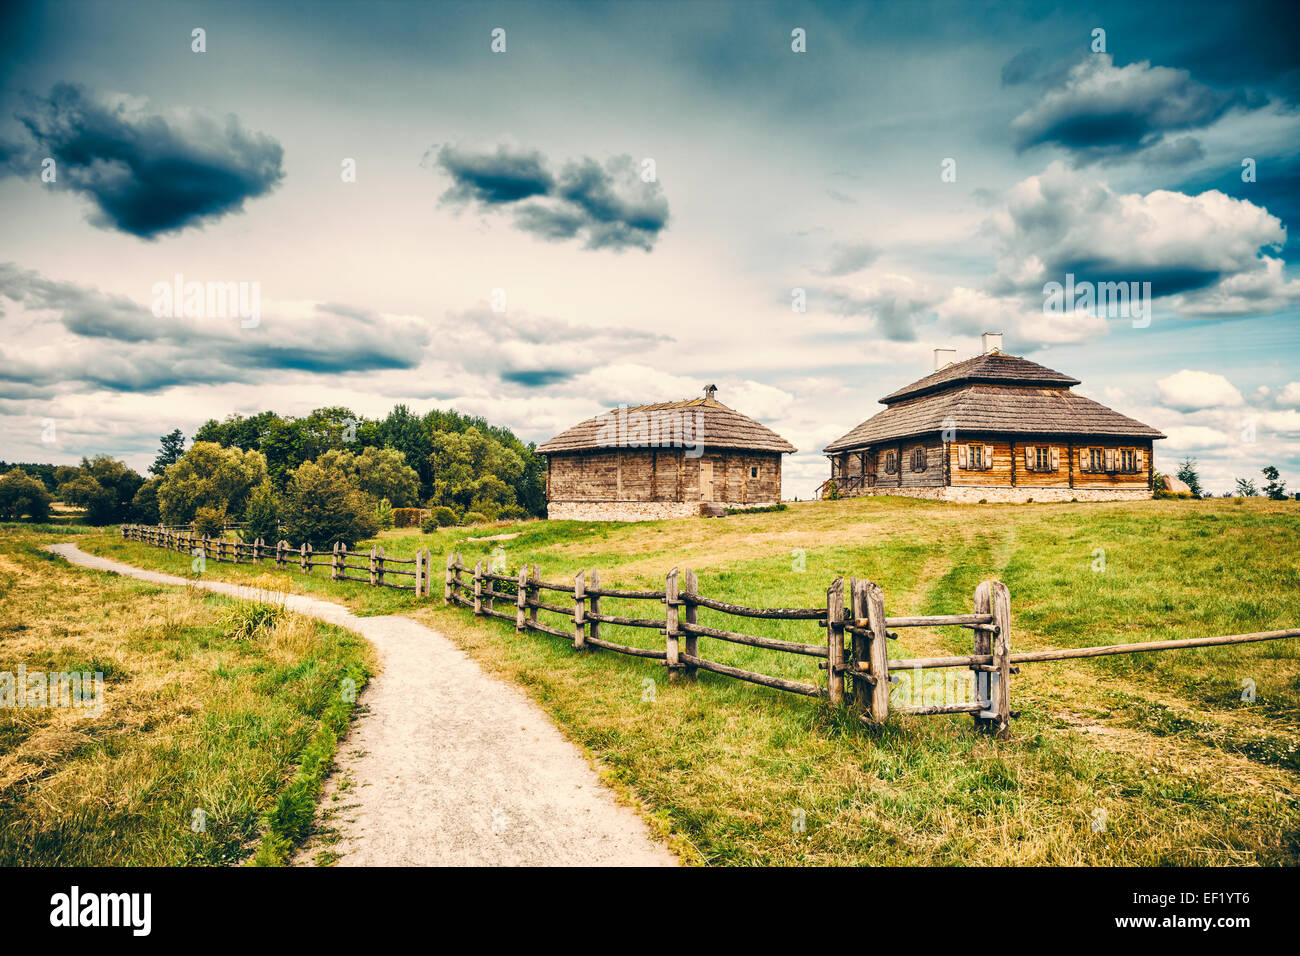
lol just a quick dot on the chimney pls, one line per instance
(709, 392)
(943, 357)
(991, 342)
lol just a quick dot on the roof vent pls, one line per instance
(991, 342)
(709, 392)
(944, 357)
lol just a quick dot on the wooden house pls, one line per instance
(666, 460)
(995, 427)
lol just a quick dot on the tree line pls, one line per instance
(331, 475)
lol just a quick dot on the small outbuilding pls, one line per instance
(995, 427)
(664, 460)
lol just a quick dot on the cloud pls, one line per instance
(971, 311)
(1205, 248)
(147, 173)
(608, 204)
(1190, 390)
(897, 303)
(68, 334)
(1101, 110)
(850, 257)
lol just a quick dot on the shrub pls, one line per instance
(1162, 494)
(245, 620)
(512, 513)
(321, 506)
(473, 517)
(20, 495)
(384, 513)
(439, 517)
(407, 517)
(209, 522)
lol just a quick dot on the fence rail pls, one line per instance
(854, 654)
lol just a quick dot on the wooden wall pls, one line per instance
(932, 477)
(1009, 464)
(661, 474)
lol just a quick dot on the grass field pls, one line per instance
(1145, 759)
(210, 745)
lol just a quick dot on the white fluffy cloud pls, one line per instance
(1189, 390)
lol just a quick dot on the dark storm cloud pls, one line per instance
(1102, 111)
(147, 173)
(504, 176)
(607, 204)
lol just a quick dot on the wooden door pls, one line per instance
(706, 481)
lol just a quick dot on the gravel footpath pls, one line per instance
(448, 766)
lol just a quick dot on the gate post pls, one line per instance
(835, 641)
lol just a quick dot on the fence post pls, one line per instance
(593, 607)
(447, 582)
(879, 652)
(835, 640)
(379, 556)
(691, 587)
(579, 621)
(306, 557)
(491, 586)
(534, 593)
(983, 644)
(373, 566)
(1000, 696)
(671, 632)
(478, 587)
(521, 598)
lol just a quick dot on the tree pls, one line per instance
(1275, 488)
(209, 476)
(144, 505)
(173, 446)
(105, 487)
(1246, 488)
(1187, 475)
(22, 495)
(262, 515)
(379, 472)
(322, 506)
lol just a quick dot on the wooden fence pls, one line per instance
(854, 653)
(407, 574)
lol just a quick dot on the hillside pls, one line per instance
(1160, 747)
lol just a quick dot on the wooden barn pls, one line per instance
(995, 427)
(666, 460)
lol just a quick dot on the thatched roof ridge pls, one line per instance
(980, 407)
(989, 367)
(719, 427)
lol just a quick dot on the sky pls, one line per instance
(537, 211)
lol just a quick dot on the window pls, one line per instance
(918, 459)
(753, 472)
(891, 462)
(1096, 459)
(1042, 458)
(974, 457)
(1128, 460)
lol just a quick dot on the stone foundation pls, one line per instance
(1012, 495)
(634, 510)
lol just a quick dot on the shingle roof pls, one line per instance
(981, 407)
(719, 427)
(990, 367)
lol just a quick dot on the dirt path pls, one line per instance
(447, 766)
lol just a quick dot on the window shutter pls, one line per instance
(1056, 458)
(1110, 459)
(1138, 463)
(1029, 458)
(962, 460)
